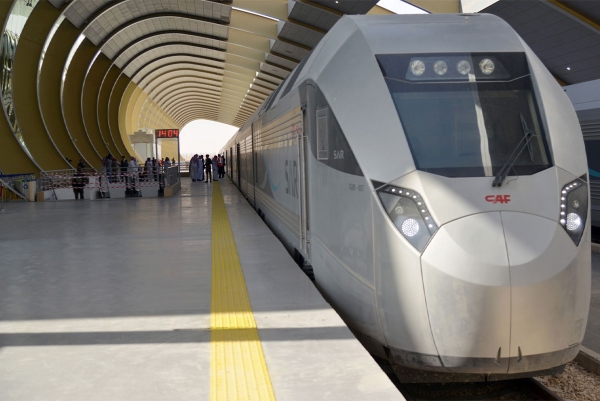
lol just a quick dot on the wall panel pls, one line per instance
(27, 57)
(90, 103)
(102, 112)
(50, 81)
(72, 103)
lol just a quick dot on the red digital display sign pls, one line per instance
(166, 133)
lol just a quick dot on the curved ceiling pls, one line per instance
(119, 66)
(205, 58)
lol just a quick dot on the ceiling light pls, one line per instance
(569, 68)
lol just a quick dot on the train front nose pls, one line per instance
(502, 293)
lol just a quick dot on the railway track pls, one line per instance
(518, 389)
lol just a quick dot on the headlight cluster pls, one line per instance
(455, 67)
(410, 215)
(573, 208)
(440, 67)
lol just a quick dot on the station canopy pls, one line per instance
(216, 60)
(221, 59)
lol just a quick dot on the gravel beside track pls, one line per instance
(575, 384)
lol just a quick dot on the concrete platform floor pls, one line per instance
(110, 300)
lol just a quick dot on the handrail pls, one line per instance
(52, 180)
(10, 187)
(8, 182)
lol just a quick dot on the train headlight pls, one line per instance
(407, 210)
(463, 67)
(573, 221)
(573, 208)
(440, 67)
(417, 67)
(487, 66)
(410, 227)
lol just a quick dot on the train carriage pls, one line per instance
(433, 173)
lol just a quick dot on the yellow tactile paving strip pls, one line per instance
(238, 371)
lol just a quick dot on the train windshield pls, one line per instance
(468, 115)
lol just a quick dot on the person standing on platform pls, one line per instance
(215, 168)
(81, 164)
(148, 169)
(154, 169)
(133, 171)
(194, 168)
(208, 169)
(124, 166)
(106, 164)
(115, 169)
(78, 182)
(220, 166)
(201, 168)
(167, 163)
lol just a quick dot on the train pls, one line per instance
(433, 174)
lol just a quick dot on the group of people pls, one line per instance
(204, 168)
(119, 171)
(128, 171)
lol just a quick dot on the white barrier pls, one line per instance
(58, 185)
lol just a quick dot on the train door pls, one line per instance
(238, 165)
(302, 160)
(228, 161)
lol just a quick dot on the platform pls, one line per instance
(118, 300)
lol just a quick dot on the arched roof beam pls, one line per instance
(188, 119)
(165, 86)
(149, 67)
(180, 114)
(167, 67)
(243, 58)
(155, 69)
(133, 65)
(162, 86)
(160, 38)
(226, 92)
(176, 94)
(197, 115)
(139, 10)
(177, 111)
(193, 102)
(195, 74)
(181, 94)
(192, 75)
(170, 106)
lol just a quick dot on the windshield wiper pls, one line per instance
(516, 153)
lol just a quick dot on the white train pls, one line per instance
(434, 175)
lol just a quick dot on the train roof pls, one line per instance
(425, 33)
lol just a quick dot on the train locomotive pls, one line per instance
(433, 173)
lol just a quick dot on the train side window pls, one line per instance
(322, 135)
